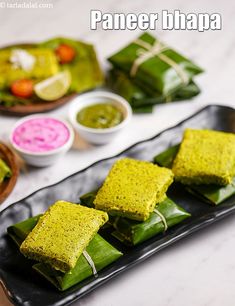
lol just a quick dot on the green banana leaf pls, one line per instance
(155, 72)
(85, 70)
(101, 252)
(133, 232)
(185, 92)
(148, 109)
(19, 231)
(166, 158)
(125, 87)
(87, 199)
(212, 194)
(9, 100)
(142, 99)
(5, 171)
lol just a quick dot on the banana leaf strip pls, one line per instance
(133, 232)
(101, 252)
(164, 71)
(211, 194)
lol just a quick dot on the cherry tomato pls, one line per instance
(22, 88)
(65, 53)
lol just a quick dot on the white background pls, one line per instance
(199, 270)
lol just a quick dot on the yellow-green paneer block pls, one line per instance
(45, 65)
(62, 234)
(205, 157)
(133, 188)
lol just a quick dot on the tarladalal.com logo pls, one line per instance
(26, 5)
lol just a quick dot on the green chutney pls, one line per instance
(100, 116)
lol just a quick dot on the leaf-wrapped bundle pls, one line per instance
(155, 65)
(166, 214)
(101, 252)
(143, 99)
(212, 194)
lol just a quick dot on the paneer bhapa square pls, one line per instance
(62, 234)
(133, 188)
(205, 157)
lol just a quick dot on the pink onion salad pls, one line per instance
(40, 135)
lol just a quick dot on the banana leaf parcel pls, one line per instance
(143, 99)
(165, 215)
(154, 65)
(212, 194)
(99, 250)
(62, 233)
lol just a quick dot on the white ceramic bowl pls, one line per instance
(99, 136)
(42, 159)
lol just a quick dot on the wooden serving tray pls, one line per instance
(7, 185)
(35, 107)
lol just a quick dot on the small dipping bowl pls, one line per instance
(99, 136)
(41, 140)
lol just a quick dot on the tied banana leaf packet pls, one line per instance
(142, 99)
(101, 252)
(211, 194)
(130, 232)
(84, 64)
(155, 65)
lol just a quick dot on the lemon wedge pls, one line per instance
(54, 87)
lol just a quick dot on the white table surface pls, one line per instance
(199, 270)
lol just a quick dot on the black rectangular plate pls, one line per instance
(24, 287)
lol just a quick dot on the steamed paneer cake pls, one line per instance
(27, 63)
(62, 234)
(133, 188)
(205, 157)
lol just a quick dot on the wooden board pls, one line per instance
(7, 185)
(35, 107)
